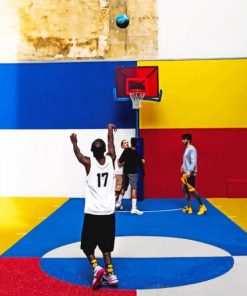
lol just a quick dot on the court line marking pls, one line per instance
(154, 211)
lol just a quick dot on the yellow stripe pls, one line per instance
(198, 94)
(20, 215)
(234, 208)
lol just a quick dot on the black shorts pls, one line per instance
(189, 183)
(98, 230)
(192, 180)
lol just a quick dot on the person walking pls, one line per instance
(189, 171)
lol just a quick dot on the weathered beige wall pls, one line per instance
(141, 38)
(76, 29)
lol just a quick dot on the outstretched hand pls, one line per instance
(113, 126)
(73, 138)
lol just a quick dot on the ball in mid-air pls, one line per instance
(122, 21)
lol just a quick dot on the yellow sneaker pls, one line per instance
(187, 210)
(202, 210)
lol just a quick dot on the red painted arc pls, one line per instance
(23, 276)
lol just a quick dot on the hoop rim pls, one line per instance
(140, 93)
(127, 97)
(137, 90)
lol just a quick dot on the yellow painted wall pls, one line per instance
(198, 94)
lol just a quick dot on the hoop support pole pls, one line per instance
(137, 123)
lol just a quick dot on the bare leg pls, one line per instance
(92, 260)
(117, 193)
(107, 258)
(133, 198)
(108, 263)
(98, 271)
(134, 193)
(119, 200)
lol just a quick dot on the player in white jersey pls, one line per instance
(99, 213)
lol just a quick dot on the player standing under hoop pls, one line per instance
(99, 219)
(131, 160)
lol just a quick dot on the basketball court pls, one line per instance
(167, 68)
(163, 252)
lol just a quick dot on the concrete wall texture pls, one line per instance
(57, 72)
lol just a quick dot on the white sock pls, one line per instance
(134, 201)
(120, 198)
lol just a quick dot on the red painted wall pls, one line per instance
(222, 156)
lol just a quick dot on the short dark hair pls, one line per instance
(187, 137)
(134, 142)
(98, 143)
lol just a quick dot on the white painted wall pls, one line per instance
(42, 162)
(191, 29)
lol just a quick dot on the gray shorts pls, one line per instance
(131, 179)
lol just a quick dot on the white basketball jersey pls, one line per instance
(100, 188)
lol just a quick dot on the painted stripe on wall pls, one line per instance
(61, 95)
(42, 162)
(198, 94)
(221, 157)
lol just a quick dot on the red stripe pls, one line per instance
(221, 157)
(22, 277)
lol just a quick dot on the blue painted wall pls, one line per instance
(61, 96)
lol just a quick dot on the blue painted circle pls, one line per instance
(142, 273)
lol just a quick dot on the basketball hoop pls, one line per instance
(136, 96)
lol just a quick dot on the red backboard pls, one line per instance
(144, 77)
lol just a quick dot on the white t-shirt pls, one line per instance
(100, 188)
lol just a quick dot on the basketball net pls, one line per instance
(136, 96)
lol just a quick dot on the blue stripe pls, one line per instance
(214, 228)
(142, 273)
(61, 95)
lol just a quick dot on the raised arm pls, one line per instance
(111, 147)
(122, 158)
(81, 158)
